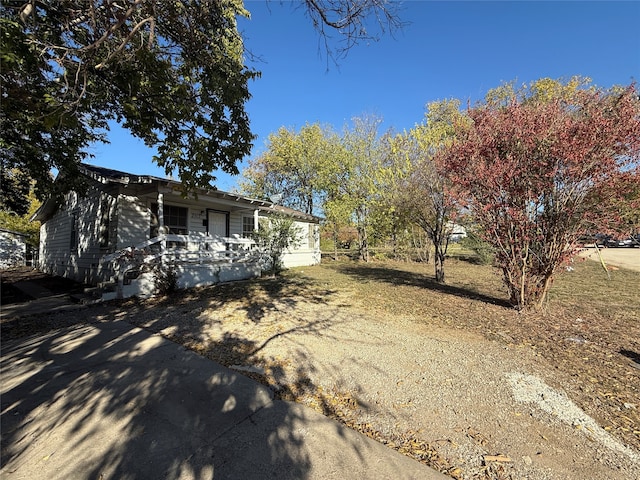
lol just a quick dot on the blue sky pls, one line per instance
(449, 49)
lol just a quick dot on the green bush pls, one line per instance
(166, 278)
(483, 251)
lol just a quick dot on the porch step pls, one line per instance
(89, 296)
(108, 284)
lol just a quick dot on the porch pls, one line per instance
(196, 261)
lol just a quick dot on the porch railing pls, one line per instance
(188, 249)
(179, 250)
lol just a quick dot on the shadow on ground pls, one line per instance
(96, 398)
(255, 298)
(634, 356)
(111, 393)
(400, 277)
(255, 301)
(12, 280)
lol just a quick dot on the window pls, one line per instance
(175, 219)
(247, 227)
(105, 221)
(73, 242)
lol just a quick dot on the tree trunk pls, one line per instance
(439, 264)
(362, 241)
(440, 243)
(544, 291)
(363, 247)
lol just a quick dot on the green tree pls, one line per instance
(358, 182)
(296, 166)
(172, 73)
(14, 191)
(316, 169)
(19, 221)
(338, 216)
(274, 235)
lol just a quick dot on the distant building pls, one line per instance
(456, 232)
(13, 248)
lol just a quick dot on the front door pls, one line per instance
(217, 223)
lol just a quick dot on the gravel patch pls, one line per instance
(474, 406)
(531, 389)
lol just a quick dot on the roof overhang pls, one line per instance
(46, 210)
(106, 176)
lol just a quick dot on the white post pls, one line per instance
(163, 244)
(119, 288)
(256, 220)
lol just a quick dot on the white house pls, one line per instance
(13, 248)
(126, 223)
(456, 232)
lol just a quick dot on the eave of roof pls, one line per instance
(291, 212)
(6, 230)
(45, 211)
(106, 175)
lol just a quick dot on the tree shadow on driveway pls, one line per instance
(110, 401)
(103, 399)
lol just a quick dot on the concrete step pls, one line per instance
(89, 296)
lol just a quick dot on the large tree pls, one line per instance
(18, 217)
(16, 187)
(540, 166)
(296, 166)
(173, 73)
(425, 193)
(360, 178)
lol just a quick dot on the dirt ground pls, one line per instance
(465, 384)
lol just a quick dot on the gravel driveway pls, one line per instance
(469, 406)
(482, 409)
(620, 257)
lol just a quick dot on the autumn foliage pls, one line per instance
(540, 168)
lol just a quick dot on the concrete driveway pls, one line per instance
(628, 258)
(111, 401)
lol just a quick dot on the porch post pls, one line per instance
(256, 222)
(163, 244)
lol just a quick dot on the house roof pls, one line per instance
(13, 232)
(109, 176)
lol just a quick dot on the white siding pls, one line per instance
(197, 216)
(301, 254)
(133, 219)
(235, 222)
(57, 254)
(55, 237)
(13, 250)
